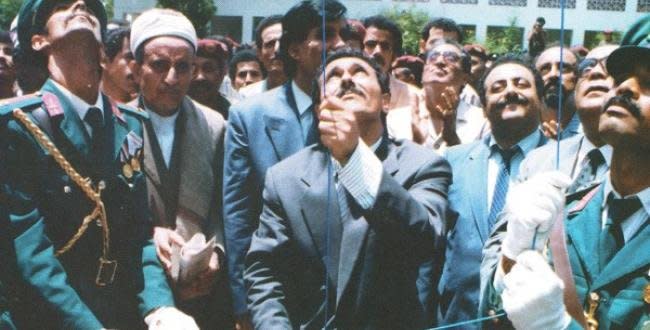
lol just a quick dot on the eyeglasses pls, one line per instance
(588, 64)
(448, 56)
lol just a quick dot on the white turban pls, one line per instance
(159, 22)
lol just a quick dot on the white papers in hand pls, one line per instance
(192, 258)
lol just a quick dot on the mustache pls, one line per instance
(626, 102)
(379, 59)
(351, 88)
(511, 99)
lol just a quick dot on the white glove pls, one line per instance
(532, 207)
(533, 295)
(170, 318)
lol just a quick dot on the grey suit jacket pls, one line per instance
(544, 158)
(380, 249)
(201, 163)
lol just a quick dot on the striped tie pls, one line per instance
(501, 186)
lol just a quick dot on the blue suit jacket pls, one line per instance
(261, 131)
(468, 230)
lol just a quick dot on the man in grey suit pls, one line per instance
(482, 171)
(266, 128)
(584, 157)
(347, 222)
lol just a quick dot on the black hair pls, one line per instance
(299, 20)
(382, 77)
(465, 58)
(541, 21)
(384, 23)
(114, 41)
(5, 38)
(265, 23)
(445, 24)
(512, 59)
(244, 55)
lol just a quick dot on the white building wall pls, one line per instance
(482, 14)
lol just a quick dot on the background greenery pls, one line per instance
(200, 12)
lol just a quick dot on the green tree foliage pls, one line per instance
(110, 8)
(200, 12)
(411, 21)
(8, 10)
(505, 40)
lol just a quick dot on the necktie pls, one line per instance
(94, 118)
(307, 118)
(501, 186)
(589, 174)
(611, 237)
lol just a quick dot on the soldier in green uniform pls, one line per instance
(607, 226)
(77, 214)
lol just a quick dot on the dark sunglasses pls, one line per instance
(589, 63)
(448, 56)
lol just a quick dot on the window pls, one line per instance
(556, 4)
(613, 5)
(517, 3)
(230, 26)
(469, 33)
(643, 6)
(461, 2)
(553, 36)
(594, 38)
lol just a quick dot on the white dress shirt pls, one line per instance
(164, 127)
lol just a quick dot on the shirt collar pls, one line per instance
(605, 149)
(303, 101)
(526, 144)
(644, 195)
(79, 105)
(375, 145)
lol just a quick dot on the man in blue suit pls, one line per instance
(482, 171)
(271, 126)
(607, 226)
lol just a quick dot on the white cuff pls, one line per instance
(498, 278)
(361, 175)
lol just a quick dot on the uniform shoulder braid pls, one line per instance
(25, 102)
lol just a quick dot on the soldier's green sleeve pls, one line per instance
(34, 254)
(156, 292)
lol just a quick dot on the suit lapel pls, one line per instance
(583, 229)
(354, 230)
(477, 167)
(628, 259)
(120, 128)
(318, 212)
(196, 175)
(283, 125)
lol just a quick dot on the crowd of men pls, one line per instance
(340, 182)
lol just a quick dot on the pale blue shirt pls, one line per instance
(633, 223)
(362, 174)
(303, 102)
(526, 145)
(81, 106)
